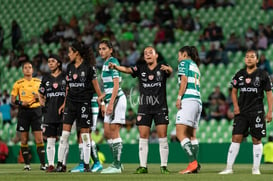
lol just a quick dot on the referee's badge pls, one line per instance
(248, 80)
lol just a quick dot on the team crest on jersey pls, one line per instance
(135, 68)
(82, 77)
(55, 85)
(257, 82)
(75, 76)
(158, 76)
(234, 82)
(139, 118)
(151, 77)
(42, 90)
(248, 80)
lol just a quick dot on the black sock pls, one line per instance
(41, 153)
(25, 153)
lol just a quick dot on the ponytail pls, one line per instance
(85, 52)
(192, 53)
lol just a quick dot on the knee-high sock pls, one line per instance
(41, 152)
(163, 150)
(187, 146)
(117, 150)
(232, 154)
(63, 146)
(66, 154)
(25, 153)
(195, 148)
(81, 152)
(50, 150)
(143, 151)
(257, 155)
(86, 147)
(94, 152)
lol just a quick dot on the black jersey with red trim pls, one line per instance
(251, 89)
(53, 88)
(79, 82)
(152, 88)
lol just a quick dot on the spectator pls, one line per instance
(197, 24)
(102, 14)
(188, 22)
(134, 15)
(217, 94)
(39, 57)
(166, 13)
(211, 56)
(267, 4)
(13, 59)
(4, 151)
(269, 34)
(130, 119)
(268, 151)
(16, 34)
(5, 96)
(264, 64)
(48, 36)
(160, 36)
(262, 42)
(5, 109)
(233, 43)
(146, 22)
(124, 15)
(23, 57)
(74, 25)
(203, 55)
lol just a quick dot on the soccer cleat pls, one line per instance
(141, 170)
(191, 167)
(78, 168)
(198, 169)
(256, 171)
(61, 168)
(226, 171)
(111, 169)
(96, 167)
(27, 168)
(164, 170)
(51, 168)
(43, 167)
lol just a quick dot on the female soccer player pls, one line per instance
(52, 94)
(152, 78)
(251, 83)
(81, 84)
(30, 113)
(115, 105)
(189, 104)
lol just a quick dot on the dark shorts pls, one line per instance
(147, 119)
(250, 123)
(29, 117)
(52, 129)
(79, 111)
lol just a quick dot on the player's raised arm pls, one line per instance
(123, 69)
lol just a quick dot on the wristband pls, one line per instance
(179, 97)
(18, 103)
(102, 103)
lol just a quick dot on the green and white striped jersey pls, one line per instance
(190, 69)
(107, 77)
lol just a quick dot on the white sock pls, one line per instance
(50, 150)
(163, 150)
(63, 145)
(66, 154)
(257, 155)
(81, 151)
(232, 154)
(143, 151)
(86, 147)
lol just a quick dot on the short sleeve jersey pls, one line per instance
(189, 69)
(79, 82)
(107, 77)
(251, 89)
(26, 89)
(54, 89)
(152, 88)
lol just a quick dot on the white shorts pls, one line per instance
(119, 112)
(189, 114)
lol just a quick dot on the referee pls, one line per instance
(30, 114)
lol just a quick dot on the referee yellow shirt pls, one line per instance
(26, 90)
(268, 152)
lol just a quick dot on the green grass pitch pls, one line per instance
(209, 172)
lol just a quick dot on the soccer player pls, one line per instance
(81, 84)
(52, 94)
(30, 113)
(251, 83)
(96, 167)
(152, 78)
(115, 105)
(189, 104)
